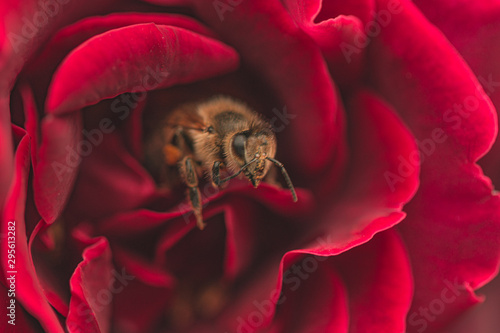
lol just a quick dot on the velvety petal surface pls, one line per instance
(135, 59)
(452, 230)
(40, 70)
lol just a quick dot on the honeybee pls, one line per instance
(214, 136)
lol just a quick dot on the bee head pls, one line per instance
(249, 149)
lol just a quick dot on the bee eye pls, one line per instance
(239, 145)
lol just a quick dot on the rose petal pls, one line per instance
(240, 217)
(39, 72)
(58, 163)
(122, 182)
(203, 250)
(130, 318)
(453, 83)
(91, 290)
(134, 59)
(471, 27)
(339, 33)
(144, 271)
(134, 222)
(374, 285)
(372, 200)
(455, 204)
(132, 131)
(29, 291)
(264, 285)
(240, 226)
(294, 68)
(482, 317)
(27, 25)
(362, 9)
(376, 280)
(169, 2)
(52, 282)
(6, 152)
(319, 303)
(379, 283)
(31, 121)
(71, 36)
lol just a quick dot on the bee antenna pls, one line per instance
(237, 173)
(285, 175)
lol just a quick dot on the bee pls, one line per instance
(211, 137)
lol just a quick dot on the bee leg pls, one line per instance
(216, 174)
(188, 172)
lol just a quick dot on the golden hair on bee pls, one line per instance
(220, 134)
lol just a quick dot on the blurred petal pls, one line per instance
(451, 116)
(144, 271)
(473, 27)
(132, 133)
(91, 290)
(32, 122)
(122, 182)
(482, 317)
(29, 291)
(372, 294)
(58, 163)
(372, 200)
(318, 303)
(379, 283)
(130, 318)
(136, 58)
(6, 151)
(170, 2)
(28, 24)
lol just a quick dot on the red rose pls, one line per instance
(379, 121)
